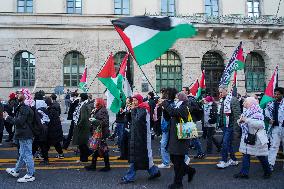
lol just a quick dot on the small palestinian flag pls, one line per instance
(108, 77)
(236, 63)
(83, 82)
(269, 91)
(202, 86)
(147, 38)
(194, 88)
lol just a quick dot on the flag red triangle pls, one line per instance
(194, 88)
(240, 55)
(109, 69)
(269, 91)
(123, 65)
(84, 76)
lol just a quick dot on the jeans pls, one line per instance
(164, 153)
(197, 145)
(26, 157)
(246, 164)
(227, 146)
(120, 130)
(277, 136)
(130, 175)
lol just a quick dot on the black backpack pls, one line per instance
(196, 109)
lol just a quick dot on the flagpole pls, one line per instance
(98, 73)
(143, 74)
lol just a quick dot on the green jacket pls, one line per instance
(82, 129)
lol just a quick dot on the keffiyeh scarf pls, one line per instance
(76, 113)
(227, 108)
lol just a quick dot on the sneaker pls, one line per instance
(233, 163)
(117, 150)
(223, 164)
(163, 166)
(26, 178)
(38, 156)
(12, 172)
(187, 161)
(200, 156)
(157, 175)
(60, 156)
(271, 167)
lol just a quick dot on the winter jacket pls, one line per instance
(56, 106)
(82, 129)
(72, 108)
(176, 146)
(270, 113)
(120, 117)
(140, 151)
(260, 148)
(234, 115)
(102, 120)
(23, 122)
(55, 132)
(196, 109)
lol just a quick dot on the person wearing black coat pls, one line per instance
(74, 103)
(178, 148)
(55, 132)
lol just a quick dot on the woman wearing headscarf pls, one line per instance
(100, 122)
(254, 139)
(140, 151)
(178, 149)
(82, 127)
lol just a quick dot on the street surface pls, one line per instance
(67, 174)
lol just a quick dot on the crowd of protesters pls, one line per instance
(34, 124)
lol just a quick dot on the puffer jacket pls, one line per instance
(261, 146)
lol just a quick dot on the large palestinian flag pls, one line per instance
(147, 38)
(269, 91)
(236, 63)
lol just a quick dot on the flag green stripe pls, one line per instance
(265, 99)
(83, 86)
(241, 65)
(161, 42)
(115, 105)
(111, 86)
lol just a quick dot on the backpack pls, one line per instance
(196, 109)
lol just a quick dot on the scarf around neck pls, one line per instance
(76, 113)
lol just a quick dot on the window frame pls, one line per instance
(253, 69)
(177, 75)
(212, 6)
(77, 74)
(74, 7)
(20, 67)
(121, 8)
(25, 6)
(167, 13)
(253, 13)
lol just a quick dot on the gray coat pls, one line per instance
(176, 146)
(260, 148)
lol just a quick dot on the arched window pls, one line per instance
(118, 57)
(74, 6)
(255, 72)
(24, 69)
(73, 66)
(253, 7)
(168, 7)
(212, 8)
(121, 7)
(25, 6)
(213, 65)
(168, 71)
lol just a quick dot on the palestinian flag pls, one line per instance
(234, 85)
(83, 82)
(147, 38)
(193, 90)
(269, 91)
(236, 63)
(121, 78)
(108, 77)
(202, 86)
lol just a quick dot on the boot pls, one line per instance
(93, 166)
(190, 172)
(107, 165)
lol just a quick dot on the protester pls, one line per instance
(67, 101)
(10, 109)
(209, 123)
(196, 113)
(229, 114)
(82, 127)
(252, 124)
(74, 99)
(274, 112)
(100, 121)
(152, 104)
(120, 124)
(140, 151)
(55, 104)
(178, 148)
(23, 121)
(55, 132)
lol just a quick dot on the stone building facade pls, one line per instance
(48, 35)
